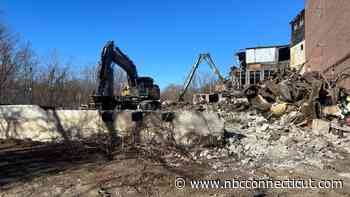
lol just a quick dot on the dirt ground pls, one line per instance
(34, 169)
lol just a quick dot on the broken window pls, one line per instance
(254, 77)
(251, 77)
(295, 26)
(257, 77)
(213, 98)
(284, 54)
(267, 74)
(243, 75)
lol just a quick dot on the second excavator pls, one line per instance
(140, 92)
(220, 87)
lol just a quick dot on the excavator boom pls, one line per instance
(111, 54)
(202, 57)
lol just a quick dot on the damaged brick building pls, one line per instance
(258, 63)
(297, 43)
(320, 41)
(327, 36)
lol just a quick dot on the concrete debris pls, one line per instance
(278, 142)
(189, 125)
(286, 122)
(278, 108)
(320, 127)
(348, 121)
(221, 138)
(332, 111)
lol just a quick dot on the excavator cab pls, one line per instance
(125, 90)
(147, 89)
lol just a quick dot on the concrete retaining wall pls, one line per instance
(32, 122)
(37, 124)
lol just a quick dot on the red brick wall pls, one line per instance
(327, 34)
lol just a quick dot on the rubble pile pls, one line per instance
(286, 120)
(253, 141)
(310, 94)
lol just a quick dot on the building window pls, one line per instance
(254, 77)
(296, 26)
(251, 77)
(267, 74)
(302, 47)
(241, 78)
(257, 77)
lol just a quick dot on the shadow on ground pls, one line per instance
(24, 160)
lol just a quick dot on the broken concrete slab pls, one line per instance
(189, 125)
(320, 127)
(332, 111)
(278, 109)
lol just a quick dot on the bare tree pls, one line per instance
(16, 66)
(26, 62)
(88, 83)
(171, 92)
(7, 66)
(202, 82)
(206, 82)
(49, 86)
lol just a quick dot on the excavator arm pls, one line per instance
(141, 92)
(111, 54)
(202, 57)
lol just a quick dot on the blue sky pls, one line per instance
(163, 37)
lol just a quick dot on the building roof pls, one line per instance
(269, 46)
(242, 51)
(301, 13)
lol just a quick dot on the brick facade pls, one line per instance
(327, 36)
